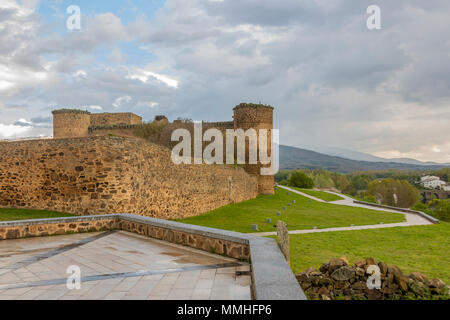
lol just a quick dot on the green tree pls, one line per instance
(444, 174)
(301, 180)
(282, 175)
(341, 181)
(399, 193)
(361, 182)
(322, 178)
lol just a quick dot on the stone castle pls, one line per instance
(100, 164)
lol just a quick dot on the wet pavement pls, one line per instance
(117, 265)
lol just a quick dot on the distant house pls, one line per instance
(432, 182)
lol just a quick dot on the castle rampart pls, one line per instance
(95, 164)
(99, 175)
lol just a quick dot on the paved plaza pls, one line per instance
(117, 265)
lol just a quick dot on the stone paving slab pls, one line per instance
(129, 260)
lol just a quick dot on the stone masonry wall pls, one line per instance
(102, 119)
(121, 131)
(56, 228)
(247, 116)
(68, 125)
(49, 227)
(100, 175)
(205, 243)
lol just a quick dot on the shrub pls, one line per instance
(369, 198)
(301, 180)
(150, 130)
(440, 209)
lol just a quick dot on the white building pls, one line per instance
(432, 182)
(446, 188)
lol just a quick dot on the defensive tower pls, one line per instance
(70, 123)
(256, 116)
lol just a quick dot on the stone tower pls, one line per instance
(70, 123)
(256, 116)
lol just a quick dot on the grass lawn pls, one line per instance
(23, 214)
(422, 249)
(305, 214)
(325, 196)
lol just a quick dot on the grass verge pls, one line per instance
(414, 249)
(24, 214)
(305, 214)
(325, 196)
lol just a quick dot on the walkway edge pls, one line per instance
(420, 213)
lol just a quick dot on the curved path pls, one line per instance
(411, 219)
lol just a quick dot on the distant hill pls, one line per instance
(296, 158)
(361, 156)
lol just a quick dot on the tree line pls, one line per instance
(398, 188)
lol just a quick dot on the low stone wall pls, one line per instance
(272, 278)
(101, 175)
(420, 213)
(205, 243)
(338, 280)
(50, 227)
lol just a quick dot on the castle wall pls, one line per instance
(104, 119)
(165, 137)
(100, 175)
(121, 131)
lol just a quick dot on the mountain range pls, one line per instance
(297, 158)
(361, 156)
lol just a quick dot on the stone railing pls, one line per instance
(272, 278)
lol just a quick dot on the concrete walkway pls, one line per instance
(411, 219)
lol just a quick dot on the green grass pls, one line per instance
(23, 214)
(305, 214)
(325, 196)
(422, 249)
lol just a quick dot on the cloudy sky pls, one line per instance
(332, 81)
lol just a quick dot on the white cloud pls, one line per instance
(22, 122)
(10, 130)
(117, 56)
(438, 153)
(4, 85)
(120, 101)
(148, 104)
(92, 107)
(145, 75)
(80, 74)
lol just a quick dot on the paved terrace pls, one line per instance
(117, 265)
(139, 258)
